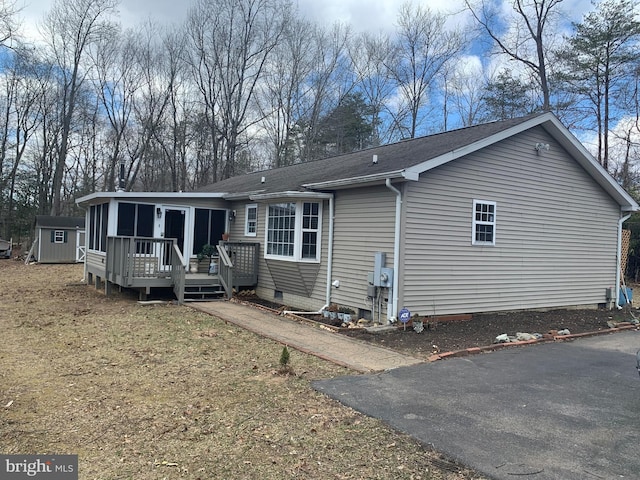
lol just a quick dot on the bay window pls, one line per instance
(293, 231)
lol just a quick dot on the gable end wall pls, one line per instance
(556, 233)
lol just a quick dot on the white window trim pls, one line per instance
(297, 242)
(476, 222)
(58, 236)
(251, 206)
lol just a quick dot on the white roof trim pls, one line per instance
(378, 177)
(563, 136)
(291, 194)
(87, 199)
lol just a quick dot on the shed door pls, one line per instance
(80, 246)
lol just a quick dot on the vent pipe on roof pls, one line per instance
(375, 159)
(121, 180)
(262, 180)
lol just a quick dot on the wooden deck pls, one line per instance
(145, 263)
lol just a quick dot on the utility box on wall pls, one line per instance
(382, 276)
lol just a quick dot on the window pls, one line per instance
(484, 223)
(251, 223)
(59, 236)
(293, 231)
(310, 230)
(98, 219)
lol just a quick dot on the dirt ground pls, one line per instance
(163, 391)
(481, 330)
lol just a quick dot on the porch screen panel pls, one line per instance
(208, 228)
(200, 230)
(126, 219)
(135, 219)
(92, 227)
(103, 227)
(144, 221)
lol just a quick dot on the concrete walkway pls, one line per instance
(330, 346)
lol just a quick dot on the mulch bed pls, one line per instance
(483, 329)
(480, 331)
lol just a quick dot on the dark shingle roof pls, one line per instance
(390, 158)
(59, 222)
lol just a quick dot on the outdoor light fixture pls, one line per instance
(159, 212)
(232, 215)
(542, 146)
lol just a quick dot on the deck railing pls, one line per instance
(244, 257)
(140, 262)
(225, 270)
(132, 258)
(177, 273)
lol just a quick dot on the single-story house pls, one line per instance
(502, 216)
(59, 239)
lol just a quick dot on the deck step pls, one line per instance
(207, 291)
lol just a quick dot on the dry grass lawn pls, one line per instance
(164, 391)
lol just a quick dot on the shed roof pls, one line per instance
(50, 221)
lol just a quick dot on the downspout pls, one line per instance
(329, 265)
(619, 259)
(392, 314)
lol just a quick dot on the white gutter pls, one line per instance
(376, 177)
(619, 259)
(329, 263)
(392, 315)
(289, 194)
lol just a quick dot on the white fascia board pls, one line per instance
(290, 194)
(106, 196)
(480, 144)
(241, 195)
(563, 136)
(378, 177)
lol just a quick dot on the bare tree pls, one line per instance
(369, 57)
(174, 138)
(116, 81)
(524, 37)
(424, 47)
(282, 89)
(464, 86)
(72, 27)
(8, 24)
(150, 104)
(231, 41)
(23, 89)
(329, 81)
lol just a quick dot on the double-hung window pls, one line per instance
(293, 231)
(484, 223)
(59, 236)
(251, 223)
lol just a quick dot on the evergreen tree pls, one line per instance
(599, 61)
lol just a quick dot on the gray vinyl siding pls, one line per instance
(94, 263)
(556, 233)
(50, 252)
(364, 225)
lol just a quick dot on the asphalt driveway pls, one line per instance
(551, 411)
